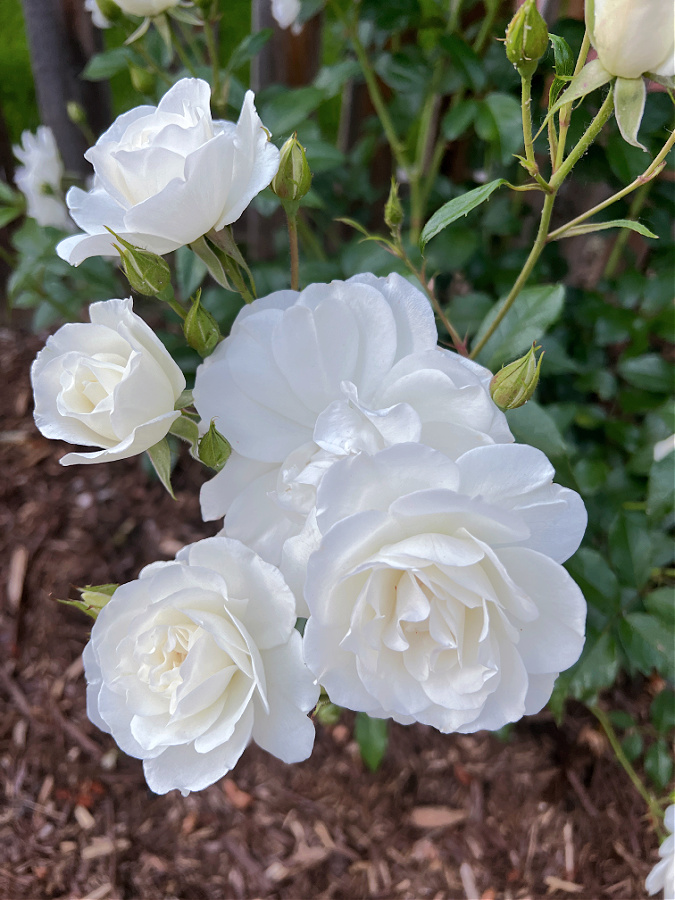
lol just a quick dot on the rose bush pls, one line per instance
(195, 659)
(166, 175)
(435, 591)
(632, 37)
(39, 178)
(110, 383)
(305, 379)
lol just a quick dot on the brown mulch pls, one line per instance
(546, 813)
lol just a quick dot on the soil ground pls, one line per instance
(546, 813)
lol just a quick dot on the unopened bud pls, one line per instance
(213, 449)
(515, 384)
(294, 177)
(200, 328)
(142, 80)
(147, 272)
(526, 39)
(93, 598)
(76, 113)
(393, 211)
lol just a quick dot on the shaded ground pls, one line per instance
(548, 813)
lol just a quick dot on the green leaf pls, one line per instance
(565, 60)
(456, 208)
(630, 548)
(187, 430)
(104, 65)
(596, 670)
(465, 60)
(458, 118)
(8, 214)
(184, 400)
(632, 745)
(531, 424)
(649, 372)
(661, 603)
(630, 95)
(160, 457)
(286, 112)
(590, 227)
(190, 271)
(596, 579)
(659, 764)
(592, 76)
(499, 122)
(248, 48)
(662, 712)
(649, 645)
(331, 79)
(372, 736)
(533, 312)
(660, 487)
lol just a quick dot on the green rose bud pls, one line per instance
(93, 598)
(147, 272)
(526, 39)
(213, 449)
(294, 178)
(393, 211)
(515, 384)
(200, 328)
(142, 80)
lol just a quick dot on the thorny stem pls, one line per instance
(525, 273)
(459, 344)
(525, 104)
(587, 139)
(647, 796)
(652, 171)
(566, 111)
(486, 26)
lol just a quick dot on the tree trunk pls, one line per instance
(61, 38)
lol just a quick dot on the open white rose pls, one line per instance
(109, 384)
(662, 876)
(167, 175)
(305, 379)
(39, 178)
(194, 659)
(632, 37)
(436, 593)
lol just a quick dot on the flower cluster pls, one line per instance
(39, 178)
(373, 489)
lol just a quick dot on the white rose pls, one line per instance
(632, 37)
(285, 12)
(167, 175)
(39, 178)
(305, 379)
(145, 7)
(436, 594)
(109, 384)
(662, 876)
(97, 17)
(199, 656)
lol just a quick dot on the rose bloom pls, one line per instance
(435, 591)
(285, 12)
(39, 178)
(662, 876)
(110, 383)
(195, 659)
(306, 379)
(632, 37)
(166, 175)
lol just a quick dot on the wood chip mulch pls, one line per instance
(544, 813)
